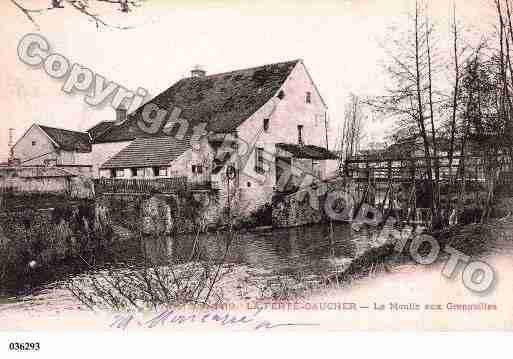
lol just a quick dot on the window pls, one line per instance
(120, 173)
(112, 173)
(34, 143)
(133, 172)
(266, 124)
(259, 160)
(50, 162)
(316, 168)
(197, 169)
(156, 171)
(300, 135)
(308, 97)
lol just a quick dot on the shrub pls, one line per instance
(53, 239)
(151, 285)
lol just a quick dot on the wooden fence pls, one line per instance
(140, 185)
(44, 180)
(405, 169)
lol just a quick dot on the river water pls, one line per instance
(312, 248)
(315, 250)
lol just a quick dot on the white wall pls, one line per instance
(203, 154)
(142, 172)
(182, 166)
(24, 150)
(45, 149)
(284, 117)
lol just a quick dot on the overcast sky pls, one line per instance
(338, 41)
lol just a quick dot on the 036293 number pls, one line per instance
(18, 346)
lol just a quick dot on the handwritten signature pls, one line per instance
(172, 317)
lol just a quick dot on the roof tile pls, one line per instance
(99, 128)
(223, 100)
(149, 152)
(307, 151)
(69, 140)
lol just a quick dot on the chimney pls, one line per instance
(57, 4)
(11, 142)
(124, 5)
(120, 114)
(198, 71)
(300, 135)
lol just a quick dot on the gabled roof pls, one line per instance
(307, 151)
(416, 143)
(99, 128)
(68, 140)
(223, 100)
(148, 152)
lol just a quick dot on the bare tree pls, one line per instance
(434, 140)
(492, 118)
(455, 90)
(410, 72)
(86, 8)
(505, 33)
(353, 128)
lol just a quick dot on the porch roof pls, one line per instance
(307, 151)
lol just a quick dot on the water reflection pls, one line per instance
(282, 250)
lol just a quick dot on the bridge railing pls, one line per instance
(404, 168)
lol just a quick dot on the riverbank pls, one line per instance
(376, 274)
(243, 283)
(405, 296)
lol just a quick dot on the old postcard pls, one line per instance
(232, 166)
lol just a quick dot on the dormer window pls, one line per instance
(266, 124)
(281, 94)
(34, 143)
(308, 97)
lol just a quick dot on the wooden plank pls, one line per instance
(364, 159)
(140, 185)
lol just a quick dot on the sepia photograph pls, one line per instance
(222, 166)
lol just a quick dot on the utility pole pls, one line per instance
(326, 128)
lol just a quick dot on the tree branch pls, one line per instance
(28, 12)
(83, 7)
